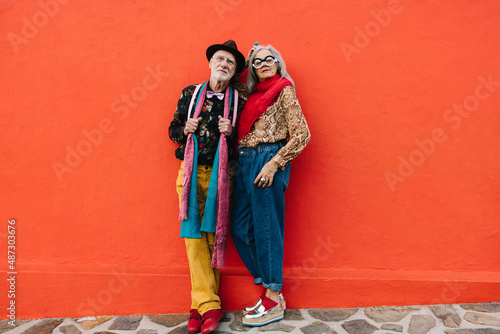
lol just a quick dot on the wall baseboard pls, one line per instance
(52, 291)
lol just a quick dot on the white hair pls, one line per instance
(252, 78)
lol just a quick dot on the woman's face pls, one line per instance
(265, 72)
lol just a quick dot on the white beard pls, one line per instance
(219, 76)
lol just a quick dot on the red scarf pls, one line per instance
(265, 94)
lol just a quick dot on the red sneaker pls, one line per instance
(211, 320)
(194, 322)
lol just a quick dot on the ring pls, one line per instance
(263, 180)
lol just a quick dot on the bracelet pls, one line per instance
(274, 171)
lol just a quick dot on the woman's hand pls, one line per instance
(267, 173)
(225, 126)
(191, 125)
(250, 53)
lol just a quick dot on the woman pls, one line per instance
(271, 115)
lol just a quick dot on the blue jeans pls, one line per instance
(258, 216)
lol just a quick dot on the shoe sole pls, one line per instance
(277, 317)
(194, 332)
(246, 312)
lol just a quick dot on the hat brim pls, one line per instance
(240, 59)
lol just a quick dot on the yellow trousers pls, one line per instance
(204, 278)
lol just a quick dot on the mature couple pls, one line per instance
(264, 120)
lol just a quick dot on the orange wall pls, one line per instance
(394, 201)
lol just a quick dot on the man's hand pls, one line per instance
(225, 126)
(191, 125)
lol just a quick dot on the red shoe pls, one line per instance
(194, 322)
(211, 320)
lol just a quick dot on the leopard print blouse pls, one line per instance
(284, 119)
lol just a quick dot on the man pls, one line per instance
(204, 126)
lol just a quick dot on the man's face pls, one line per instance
(223, 65)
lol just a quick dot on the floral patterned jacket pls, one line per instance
(207, 133)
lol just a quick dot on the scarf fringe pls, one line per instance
(219, 259)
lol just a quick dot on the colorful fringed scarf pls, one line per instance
(216, 216)
(265, 94)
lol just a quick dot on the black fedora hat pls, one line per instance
(229, 46)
